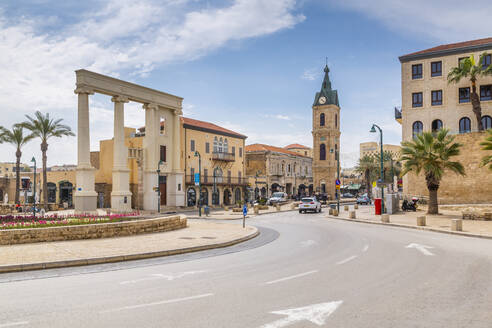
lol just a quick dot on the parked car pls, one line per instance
(277, 197)
(347, 195)
(364, 199)
(309, 204)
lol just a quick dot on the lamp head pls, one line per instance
(373, 129)
(33, 160)
(196, 153)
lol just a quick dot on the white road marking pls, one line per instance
(348, 259)
(316, 313)
(366, 247)
(291, 277)
(138, 306)
(168, 277)
(422, 248)
(308, 243)
(12, 324)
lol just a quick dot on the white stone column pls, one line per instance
(121, 197)
(176, 182)
(85, 197)
(150, 179)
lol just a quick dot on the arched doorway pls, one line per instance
(1, 195)
(275, 187)
(263, 192)
(51, 187)
(204, 196)
(237, 196)
(191, 196)
(257, 192)
(301, 191)
(66, 188)
(311, 189)
(216, 197)
(227, 197)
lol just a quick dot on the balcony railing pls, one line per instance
(223, 156)
(209, 180)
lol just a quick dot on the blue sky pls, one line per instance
(250, 65)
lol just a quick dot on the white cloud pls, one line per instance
(122, 37)
(442, 20)
(311, 74)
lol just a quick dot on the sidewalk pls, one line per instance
(440, 223)
(198, 236)
(230, 215)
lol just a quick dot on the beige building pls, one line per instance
(300, 149)
(373, 148)
(222, 165)
(270, 169)
(8, 169)
(326, 138)
(430, 103)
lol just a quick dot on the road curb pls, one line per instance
(460, 233)
(122, 258)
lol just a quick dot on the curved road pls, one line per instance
(318, 272)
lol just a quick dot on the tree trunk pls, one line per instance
(477, 109)
(433, 187)
(368, 183)
(18, 155)
(44, 149)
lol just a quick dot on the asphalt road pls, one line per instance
(314, 272)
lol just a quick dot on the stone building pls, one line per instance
(270, 169)
(326, 137)
(222, 165)
(429, 103)
(373, 148)
(8, 169)
(300, 149)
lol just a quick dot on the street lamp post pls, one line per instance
(197, 154)
(337, 157)
(215, 198)
(373, 130)
(159, 187)
(34, 188)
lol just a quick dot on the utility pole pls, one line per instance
(381, 175)
(34, 188)
(197, 154)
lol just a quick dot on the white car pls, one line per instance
(309, 204)
(277, 197)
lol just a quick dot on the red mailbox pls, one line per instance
(377, 205)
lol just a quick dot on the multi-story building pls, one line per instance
(430, 103)
(8, 169)
(326, 137)
(300, 149)
(373, 148)
(213, 152)
(272, 169)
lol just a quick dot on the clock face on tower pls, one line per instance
(322, 100)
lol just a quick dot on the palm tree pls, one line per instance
(468, 68)
(44, 127)
(430, 152)
(487, 145)
(366, 166)
(17, 138)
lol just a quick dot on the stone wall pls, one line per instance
(474, 188)
(92, 231)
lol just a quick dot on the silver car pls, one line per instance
(310, 204)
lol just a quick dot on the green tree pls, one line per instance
(16, 138)
(487, 145)
(44, 127)
(367, 166)
(468, 68)
(431, 153)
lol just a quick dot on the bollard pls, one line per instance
(456, 225)
(385, 218)
(335, 212)
(257, 209)
(278, 207)
(346, 207)
(352, 215)
(356, 206)
(421, 221)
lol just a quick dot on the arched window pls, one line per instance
(436, 125)
(486, 122)
(216, 145)
(221, 146)
(226, 146)
(336, 120)
(417, 128)
(322, 119)
(322, 152)
(465, 125)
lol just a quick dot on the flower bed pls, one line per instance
(30, 221)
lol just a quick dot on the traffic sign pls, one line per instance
(338, 186)
(197, 179)
(337, 182)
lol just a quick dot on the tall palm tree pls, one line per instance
(487, 145)
(430, 152)
(44, 127)
(468, 68)
(16, 138)
(366, 166)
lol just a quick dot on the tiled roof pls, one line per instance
(465, 46)
(262, 147)
(296, 146)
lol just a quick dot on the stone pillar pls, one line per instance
(121, 197)
(176, 184)
(150, 157)
(85, 196)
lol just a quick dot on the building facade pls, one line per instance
(373, 148)
(8, 169)
(430, 103)
(300, 149)
(270, 169)
(326, 137)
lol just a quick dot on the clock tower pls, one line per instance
(326, 137)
